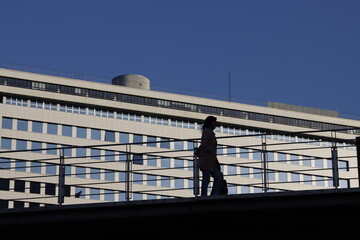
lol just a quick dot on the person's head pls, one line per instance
(210, 123)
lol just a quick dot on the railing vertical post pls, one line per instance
(264, 162)
(196, 174)
(61, 188)
(335, 167)
(128, 173)
(358, 157)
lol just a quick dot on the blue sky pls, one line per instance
(303, 52)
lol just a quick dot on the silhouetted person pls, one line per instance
(208, 162)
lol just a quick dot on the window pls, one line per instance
(67, 130)
(270, 175)
(80, 132)
(34, 187)
(138, 159)
(22, 125)
(231, 170)
(244, 153)
(37, 127)
(257, 155)
(21, 145)
(138, 178)
(109, 155)
(36, 145)
(294, 159)
(109, 175)
(52, 128)
(179, 163)
(319, 181)
(79, 192)
(95, 134)
(67, 150)
(343, 166)
(165, 162)
(50, 169)
(344, 183)
(80, 152)
(179, 183)
(283, 177)
(179, 145)
(282, 157)
(152, 160)
(231, 151)
(109, 195)
(151, 180)
(137, 139)
(5, 163)
(5, 143)
(50, 188)
(19, 186)
(151, 141)
(51, 148)
(124, 138)
(319, 163)
(245, 189)
(109, 136)
(7, 123)
(244, 172)
(270, 156)
(257, 173)
(80, 172)
(306, 161)
(95, 173)
(20, 165)
(165, 181)
(4, 184)
(35, 167)
(295, 177)
(166, 143)
(307, 179)
(95, 154)
(94, 194)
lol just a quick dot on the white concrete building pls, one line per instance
(44, 112)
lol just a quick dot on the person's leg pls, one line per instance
(205, 182)
(217, 176)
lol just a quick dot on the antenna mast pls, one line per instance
(229, 87)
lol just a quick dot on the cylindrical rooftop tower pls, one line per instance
(132, 80)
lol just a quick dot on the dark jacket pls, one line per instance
(208, 149)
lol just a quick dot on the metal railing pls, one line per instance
(129, 171)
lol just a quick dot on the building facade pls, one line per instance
(103, 132)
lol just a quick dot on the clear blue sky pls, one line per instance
(302, 52)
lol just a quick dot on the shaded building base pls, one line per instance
(309, 214)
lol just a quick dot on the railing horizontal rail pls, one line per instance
(104, 176)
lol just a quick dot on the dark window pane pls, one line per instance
(50, 188)
(19, 186)
(34, 187)
(138, 159)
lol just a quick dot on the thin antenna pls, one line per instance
(229, 87)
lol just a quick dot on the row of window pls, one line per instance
(170, 104)
(163, 121)
(90, 133)
(151, 141)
